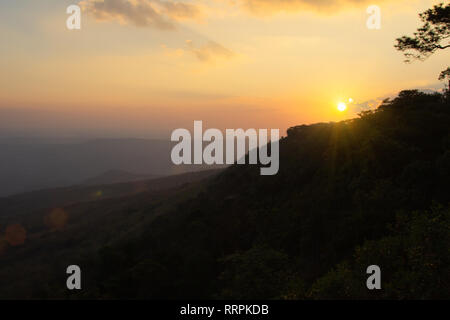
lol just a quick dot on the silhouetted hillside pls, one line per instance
(13, 208)
(41, 231)
(372, 190)
(117, 176)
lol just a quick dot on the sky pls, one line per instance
(142, 68)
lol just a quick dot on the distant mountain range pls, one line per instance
(117, 176)
(32, 166)
(24, 204)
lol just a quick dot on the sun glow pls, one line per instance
(342, 106)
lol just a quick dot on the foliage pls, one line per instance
(414, 260)
(430, 37)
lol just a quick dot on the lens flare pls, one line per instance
(15, 235)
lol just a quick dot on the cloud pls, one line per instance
(208, 51)
(272, 6)
(371, 104)
(142, 13)
(180, 10)
(164, 14)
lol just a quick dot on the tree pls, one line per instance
(429, 38)
(445, 74)
(414, 260)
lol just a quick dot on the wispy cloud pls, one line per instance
(272, 6)
(179, 10)
(208, 51)
(371, 104)
(163, 14)
(142, 13)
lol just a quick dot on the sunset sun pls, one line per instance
(342, 106)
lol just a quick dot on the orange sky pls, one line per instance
(145, 71)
